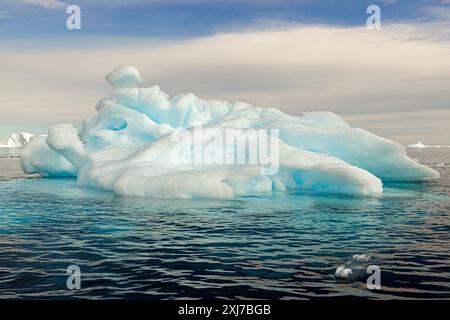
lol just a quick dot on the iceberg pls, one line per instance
(420, 145)
(144, 142)
(17, 140)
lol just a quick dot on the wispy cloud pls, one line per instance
(389, 2)
(49, 4)
(5, 14)
(354, 72)
(441, 13)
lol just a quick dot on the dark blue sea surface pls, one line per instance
(283, 246)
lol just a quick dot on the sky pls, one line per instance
(303, 55)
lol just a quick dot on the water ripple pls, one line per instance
(275, 247)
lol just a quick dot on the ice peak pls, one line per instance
(124, 77)
(18, 140)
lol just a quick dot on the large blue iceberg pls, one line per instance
(132, 147)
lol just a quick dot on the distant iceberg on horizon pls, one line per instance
(17, 140)
(420, 145)
(128, 148)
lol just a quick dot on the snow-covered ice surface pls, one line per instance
(128, 148)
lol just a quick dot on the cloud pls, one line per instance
(389, 2)
(5, 14)
(357, 73)
(49, 4)
(441, 13)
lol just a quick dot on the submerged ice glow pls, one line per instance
(128, 148)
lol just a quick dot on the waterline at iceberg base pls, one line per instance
(128, 148)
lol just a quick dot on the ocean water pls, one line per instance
(283, 246)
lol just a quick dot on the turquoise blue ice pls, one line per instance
(128, 148)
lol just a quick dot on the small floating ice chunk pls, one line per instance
(343, 272)
(361, 257)
(355, 267)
